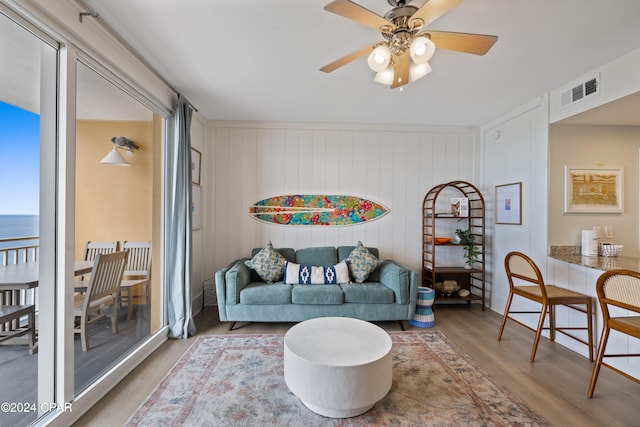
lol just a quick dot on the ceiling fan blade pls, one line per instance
(434, 9)
(346, 59)
(477, 44)
(355, 12)
(400, 70)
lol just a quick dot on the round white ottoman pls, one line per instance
(339, 367)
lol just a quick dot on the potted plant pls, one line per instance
(471, 252)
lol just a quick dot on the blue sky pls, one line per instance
(19, 161)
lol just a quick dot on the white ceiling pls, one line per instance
(97, 98)
(20, 80)
(260, 61)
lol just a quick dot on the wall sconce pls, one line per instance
(114, 157)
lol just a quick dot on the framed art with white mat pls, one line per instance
(509, 203)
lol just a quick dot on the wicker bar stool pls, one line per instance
(520, 268)
(617, 288)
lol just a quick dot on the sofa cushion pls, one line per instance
(367, 293)
(319, 295)
(324, 255)
(261, 293)
(362, 263)
(268, 263)
(316, 275)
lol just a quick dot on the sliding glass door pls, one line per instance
(116, 142)
(61, 114)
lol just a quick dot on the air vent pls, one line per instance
(590, 87)
(579, 92)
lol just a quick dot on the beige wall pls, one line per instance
(113, 202)
(582, 145)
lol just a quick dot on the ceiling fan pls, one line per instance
(407, 47)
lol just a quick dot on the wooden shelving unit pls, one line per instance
(435, 216)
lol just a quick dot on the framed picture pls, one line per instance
(460, 206)
(509, 203)
(196, 162)
(593, 189)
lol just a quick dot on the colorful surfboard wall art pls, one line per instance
(317, 209)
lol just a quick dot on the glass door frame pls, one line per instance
(57, 209)
(48, 214)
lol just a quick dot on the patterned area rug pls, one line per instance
(238, 380)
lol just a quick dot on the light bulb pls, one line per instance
(417, 71)
(379, 58)
(421, 49)
(385, 76)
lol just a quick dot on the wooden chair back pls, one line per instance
(92, 249)
(521, 267)
(139, 258)
(105, 278)
(619, 288)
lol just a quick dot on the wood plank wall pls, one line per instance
(392, 165)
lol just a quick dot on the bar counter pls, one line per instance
(571, 254)
(567, 268)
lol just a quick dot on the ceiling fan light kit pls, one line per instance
(404, 54)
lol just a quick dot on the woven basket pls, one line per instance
(610, 250)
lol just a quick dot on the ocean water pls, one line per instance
(18, 226)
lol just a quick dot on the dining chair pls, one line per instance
(617, 290)
(102, 291)
(134, 287)
(526, 281)
(92, 249)
(10, 323)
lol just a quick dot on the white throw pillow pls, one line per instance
(296, 274)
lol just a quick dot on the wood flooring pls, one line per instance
(555, 385)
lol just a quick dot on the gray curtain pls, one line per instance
(178, 225)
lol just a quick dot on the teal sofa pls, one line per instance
(388, 294)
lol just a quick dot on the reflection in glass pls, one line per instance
(113, 205)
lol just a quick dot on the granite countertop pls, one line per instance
(571, 254)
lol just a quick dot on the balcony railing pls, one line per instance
(17, 250)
